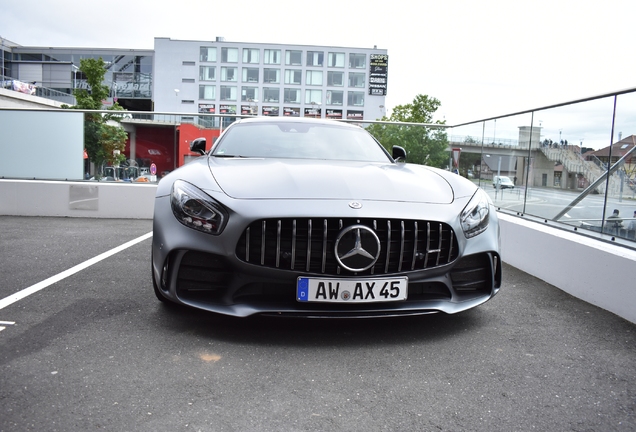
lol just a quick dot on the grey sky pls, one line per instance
(479, 58)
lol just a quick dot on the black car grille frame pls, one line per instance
(307, 245)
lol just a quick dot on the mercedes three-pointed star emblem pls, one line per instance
(357, 248)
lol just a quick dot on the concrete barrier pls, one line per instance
(597, 272)
(77, 199)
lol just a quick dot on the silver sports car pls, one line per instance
(314, 218)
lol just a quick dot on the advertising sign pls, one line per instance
(378, 73)
(207, 108)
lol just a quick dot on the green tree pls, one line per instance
(424, 145)
(104, 138)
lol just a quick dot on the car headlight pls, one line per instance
(196, 209)
(474, 218)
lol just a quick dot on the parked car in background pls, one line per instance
(502, 182)
(314, 218)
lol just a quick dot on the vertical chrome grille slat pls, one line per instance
(428, 243)
(293, 257)
(278, 230)
(307, 266)
(263, 243)
(324, 245)
(450, 248)
(388, 245)
(414, 245)
(439, 245)
(401, 246)
(375, 228)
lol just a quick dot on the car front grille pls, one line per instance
(308, 245)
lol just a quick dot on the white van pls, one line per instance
(502, 182)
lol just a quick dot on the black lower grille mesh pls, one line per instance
(472, 274)
(307, 245)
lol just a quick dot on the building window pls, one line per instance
(293, 57)
(250, 75)
(355, 98)
(228, 93)
(272, 56)
(229, 55)
(187, 101)
(207, 92)
(271, 94)
(357, 61)
(335, 97)
(207, 54)
(335, 78)
(293, 76)
(249, 94)
(336, 60)
(251, 55)
(313, 96)
(187, 80)
(188, 63)
(271, 76)
(291, 95)
(356, 79)
(207, 73)
(228, 74)
(313, 78)
(315, 58)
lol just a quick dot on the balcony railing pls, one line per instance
(550, 154)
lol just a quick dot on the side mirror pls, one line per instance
(198, 145)
(399, 154)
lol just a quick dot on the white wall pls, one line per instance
(77, 199)
(597, 272)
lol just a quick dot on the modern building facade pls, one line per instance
(54, 72)
(269, 79)
(218, 77)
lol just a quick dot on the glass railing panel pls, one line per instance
(565, 177)
(621, 184)
(39, 144)
(505, 160)
(469, 139)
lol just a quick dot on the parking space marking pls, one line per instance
(3, 324)
(58, 277)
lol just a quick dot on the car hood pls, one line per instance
(247, 178)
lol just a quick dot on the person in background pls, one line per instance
(631, 228)
(614, 222)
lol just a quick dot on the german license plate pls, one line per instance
(351, 290)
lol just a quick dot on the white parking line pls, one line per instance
(5, 323)
(58, 277)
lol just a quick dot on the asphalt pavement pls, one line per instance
(90, 348)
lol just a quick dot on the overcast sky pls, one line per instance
(479, 58)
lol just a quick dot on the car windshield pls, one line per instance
(299, 140)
